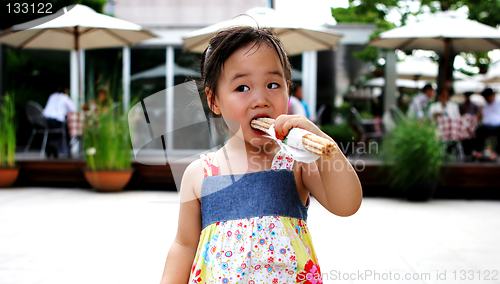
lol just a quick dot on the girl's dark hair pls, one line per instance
(222, 46)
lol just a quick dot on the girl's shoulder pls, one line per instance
(193, 178)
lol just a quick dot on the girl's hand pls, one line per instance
(284, 123)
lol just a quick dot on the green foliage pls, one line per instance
(8, 127)
(375, 11)
(484, 11)
(366, 115)
(476, 59)
(365, 12)
(354, 15)
(343, 109)
(412, 154)
(107, 139)
(340, 132)
(368, 54)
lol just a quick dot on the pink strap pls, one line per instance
(210, 165)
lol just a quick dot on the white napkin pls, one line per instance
(292, 144)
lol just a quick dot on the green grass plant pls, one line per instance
(8, 127)
(412, 154)
(107, 139)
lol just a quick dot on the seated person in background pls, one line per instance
(489, 115)
(57, 107)
(443, 107)
(298, 94)
(295, 106)
(419, 103)
(468, 107)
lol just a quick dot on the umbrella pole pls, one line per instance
(447, 52)
(79, 64)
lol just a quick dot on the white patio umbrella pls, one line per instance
(161, 71)
(73, 28)
(444, 32)
(417, 68)
(463, 86)
(492, 80)
(400, 83)
(295, 38)
(421, 68)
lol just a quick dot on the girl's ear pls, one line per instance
(214, 107)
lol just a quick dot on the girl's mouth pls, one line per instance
(258, 132)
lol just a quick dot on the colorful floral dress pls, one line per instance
(254, 228)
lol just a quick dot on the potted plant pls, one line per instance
(107, 148)
(412, 155)
(8, 170)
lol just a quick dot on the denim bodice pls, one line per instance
(265, 193)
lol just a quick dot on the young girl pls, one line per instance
(245, 221)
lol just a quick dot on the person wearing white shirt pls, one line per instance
(296, 107)
(489, 115)
(419, 103)
(57, 107)
(443, 107)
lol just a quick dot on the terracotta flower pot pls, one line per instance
(108, 180)
(8, 176)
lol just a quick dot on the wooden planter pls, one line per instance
(423, 191)
(8, 176)
(108, 180)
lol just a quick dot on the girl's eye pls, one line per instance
(242, 88)
(273, 85)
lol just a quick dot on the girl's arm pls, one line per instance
(332, 181)
(183, 250)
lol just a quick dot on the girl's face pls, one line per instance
(252, 84)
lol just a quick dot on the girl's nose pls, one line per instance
(260, 98)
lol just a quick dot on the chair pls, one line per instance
(397, 115)
(319, 113)
(368, 128)
(454, 144)
(34, 112)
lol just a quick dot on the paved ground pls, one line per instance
(61, 236)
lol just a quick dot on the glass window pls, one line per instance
(148, 83)
(188, 110)
(296, 62)
(103, 70)
(147, 72)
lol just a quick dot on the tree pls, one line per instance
(377, 11)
